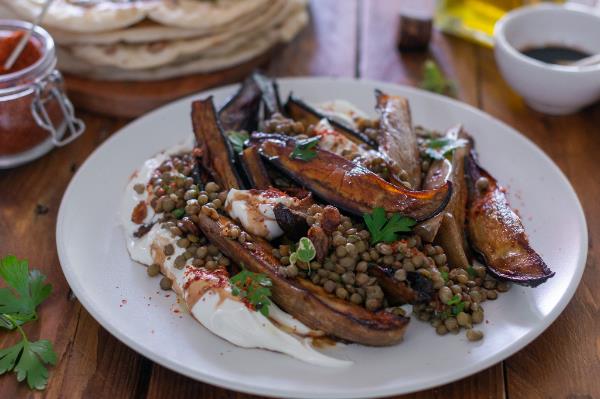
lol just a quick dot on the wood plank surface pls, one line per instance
(345, 38)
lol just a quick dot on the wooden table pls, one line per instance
(352, 38)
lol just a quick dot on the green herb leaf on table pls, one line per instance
(25, 291)
(237, 139)
(254, 287)
(18, 303)
(305, 150)
(456, 304)
(454, 300)
(439, 148)
(435, 81)
(383, 229)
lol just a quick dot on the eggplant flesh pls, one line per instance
(300, 111)
(241, 111)
(254, 169)
(217, 154)
(292, 222)
(307, 302)
(397, 139)
(350, 186)
(496, 233)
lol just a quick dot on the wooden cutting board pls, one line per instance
(132, 99)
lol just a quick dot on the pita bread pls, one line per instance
(194, 14)
(153, 55)
(149, 31)
(98, 17)
(67, 62)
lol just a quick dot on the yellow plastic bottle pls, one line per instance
(474, 19)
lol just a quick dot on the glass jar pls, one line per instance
(35, 113)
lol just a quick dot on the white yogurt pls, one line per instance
(216, 309)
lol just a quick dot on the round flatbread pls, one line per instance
(157, 54)
(69, 63)
(194, 14)
(94, 16)
(148, 31)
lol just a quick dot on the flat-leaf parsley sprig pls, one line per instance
(253, 287)
(383, 229)
(18, 305)
(305, 149)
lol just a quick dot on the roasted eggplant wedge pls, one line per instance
(307, 302)
(350, 186)
(397, 139)
(270, 94)
(300, 111)
(448, 228)
(240, 112)
(254, 168)
(496, 233)
(217, 154)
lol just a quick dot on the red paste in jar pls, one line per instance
(18, 130)
(30, 54)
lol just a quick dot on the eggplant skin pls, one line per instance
(397, 139)
(350, 186)
(308, 302)
(217, 154)
(497, 235)
(241, 111)
(301, 111)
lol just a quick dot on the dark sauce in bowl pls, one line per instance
(560, 55)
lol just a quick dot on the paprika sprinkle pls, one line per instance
(30, 54)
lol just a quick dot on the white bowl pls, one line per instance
(549, 88)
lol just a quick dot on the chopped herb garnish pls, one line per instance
(237, 139)
(383, 229)
(444, 276)
(305, 150)
(305, 251)
(178, 213)
(254, 287)
(457, 305)
(18, 303)
(471, 272)
(439, 148)
(454, 300)
(434, 80)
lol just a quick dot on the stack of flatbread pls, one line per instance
(160, 39)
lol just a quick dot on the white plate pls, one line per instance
(117, 292)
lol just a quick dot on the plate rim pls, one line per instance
(278, 392)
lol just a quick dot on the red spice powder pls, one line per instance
(30, 54)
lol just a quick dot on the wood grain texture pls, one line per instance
(564, 361)
(327, 47)
(345, 38)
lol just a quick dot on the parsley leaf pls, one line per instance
(18, 303)
(237, 139)
(444, 276)
(25, 291)
(456, 304)
(438, 148)
(254, 287)
(434, 80)
(383, 229)
(454, 300)
(305, 149)
(305, 252)
(471, 272)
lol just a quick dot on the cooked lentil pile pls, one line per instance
(178, 195)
